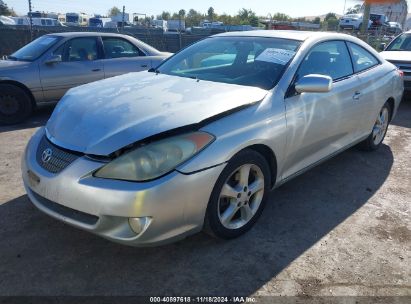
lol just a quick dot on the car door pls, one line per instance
(122, 56)
(372, 86)
(80, 63)
(320, 124)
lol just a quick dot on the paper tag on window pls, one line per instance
(279, 56)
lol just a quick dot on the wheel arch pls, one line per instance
(391, 102)
(269, 156)
(21, 86)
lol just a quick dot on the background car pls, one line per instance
(352, 21)
(398, 52)
(394, 28)
(147, 158)
(46, 68)
(379, 21)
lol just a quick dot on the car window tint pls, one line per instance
(328, 58)
(59, 51)
(118, 48)
(81, 49)
(362, 59)
(249, 61)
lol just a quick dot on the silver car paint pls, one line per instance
(49, 83)
(320, 125)
(144, 103)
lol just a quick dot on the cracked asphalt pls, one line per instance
(342, 228)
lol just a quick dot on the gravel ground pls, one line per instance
(342, 228)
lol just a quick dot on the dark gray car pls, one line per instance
(43, 70)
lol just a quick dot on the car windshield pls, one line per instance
(34, 49)
(401, 43)
(72, 19)
(250, 61)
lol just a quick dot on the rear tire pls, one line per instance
(15, 104)
(375, 139)
(239, 195)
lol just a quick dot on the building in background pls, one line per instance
(395, 12)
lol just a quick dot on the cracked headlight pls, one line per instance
(155, 159)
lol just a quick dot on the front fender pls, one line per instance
(260, 124)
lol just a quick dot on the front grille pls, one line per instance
(73, 214)
(52, 158)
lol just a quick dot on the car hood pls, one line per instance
(102, 117)
(396, 55)
(12, 64)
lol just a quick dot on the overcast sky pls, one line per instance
(294, 8)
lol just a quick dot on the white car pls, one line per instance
(353, 21)
(398, 52)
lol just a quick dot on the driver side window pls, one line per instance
(328, 58)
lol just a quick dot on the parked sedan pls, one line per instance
(353, 21)
(398, 52)
(46, 68)
(147, 158)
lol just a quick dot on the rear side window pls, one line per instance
(81, 49)
(329, 58)
(362, 59)
(118, 48)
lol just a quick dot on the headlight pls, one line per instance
(155, 159)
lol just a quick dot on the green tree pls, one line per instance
(164, 16)
(5, 10)
(211, 14)
(182, 13)
(281, 17)
(317, 20)
(354, 10)
(330, 16)
(247, 16)
(114, 11)
(193, 18)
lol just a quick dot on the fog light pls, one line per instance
(138, 224)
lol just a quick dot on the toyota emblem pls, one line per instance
(46, 155)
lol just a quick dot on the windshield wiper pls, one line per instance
(11, 58)
(153, 70)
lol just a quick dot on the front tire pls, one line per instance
(239, 195)
(15, 104)
(375, 139)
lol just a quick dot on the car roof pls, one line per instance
(85, 34)
(285, 34)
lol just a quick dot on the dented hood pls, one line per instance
(102, 117)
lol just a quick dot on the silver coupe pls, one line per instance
(198, 143)
(43, 70)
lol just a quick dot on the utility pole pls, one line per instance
(31, 22)
(345, 5)
(366, 17)
(122, 23)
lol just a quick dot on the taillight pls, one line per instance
(401, 73)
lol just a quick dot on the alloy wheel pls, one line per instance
(380, 127)
(241, 196)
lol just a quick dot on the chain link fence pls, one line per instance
(14, 37)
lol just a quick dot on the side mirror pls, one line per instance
(382, 46)
(53, 59)
(314, 83)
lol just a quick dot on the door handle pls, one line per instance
(96, 70)
(356, 95)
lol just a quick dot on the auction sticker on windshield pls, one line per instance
(279, 56)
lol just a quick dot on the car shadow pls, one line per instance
(403, 117)
(42, 256)
(39, 118)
